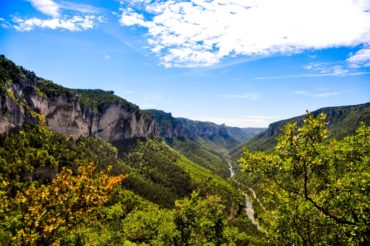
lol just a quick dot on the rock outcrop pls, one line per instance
(171, 127)
(27, 99)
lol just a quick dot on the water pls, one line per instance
(248, 202)
(231, 170)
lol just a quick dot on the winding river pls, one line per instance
(232, 173)
(248, 202)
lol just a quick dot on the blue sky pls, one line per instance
(241, 62)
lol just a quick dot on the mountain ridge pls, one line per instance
(170, 126)
(342, 121)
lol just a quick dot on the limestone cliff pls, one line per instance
(26, 98)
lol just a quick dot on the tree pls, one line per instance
(150, 226)
(316, 189)
(42, 214)
(201, 221)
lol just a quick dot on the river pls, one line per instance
(232, 173)
(248, 202)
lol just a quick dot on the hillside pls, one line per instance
(342, 121)
(159, 179)
(204, 143)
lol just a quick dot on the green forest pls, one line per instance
(56, 191)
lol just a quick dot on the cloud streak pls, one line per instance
(81, 8)
(360, 59)
(75, 23)
(320, 94)
(296, 76)
(325, 68)
(199, 33)
(248, 96)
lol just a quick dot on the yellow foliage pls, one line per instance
(66, 202)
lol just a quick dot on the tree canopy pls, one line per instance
(315, 189)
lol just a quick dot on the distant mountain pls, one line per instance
(243, 134)
(205, 143)
(342, 121)
(225, 136)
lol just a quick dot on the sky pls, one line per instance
(244, 63)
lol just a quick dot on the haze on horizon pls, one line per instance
(244, 63)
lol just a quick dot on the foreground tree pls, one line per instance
(40, 215)
(201, 221)
(316, 189)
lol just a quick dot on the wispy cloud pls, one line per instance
(246, 121)
(76, 22)
(326, 68)
(193, 33)
(296, 76)
(348, 68)
(81, 8)
(248, 96)
(4, 23)
(360, 59)
(48, 7)
(320, 93)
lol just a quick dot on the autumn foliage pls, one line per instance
(44, 212)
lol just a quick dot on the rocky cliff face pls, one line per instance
(25, 98)
(171, 127)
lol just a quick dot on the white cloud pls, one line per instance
(107, 57)
(202, 32)
(130, 18)
(246, 121)
(66, 21)
(360, 59)
(47, 7)
(320, 93)
(249, 96)
(4, 23)
(295, 76)
(327, 69)
(75, 23)
(81, 8)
